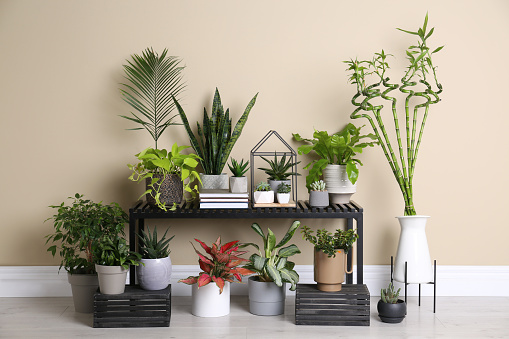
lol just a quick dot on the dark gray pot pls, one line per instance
(83, 288)
(391, 313)
(319, 198)
(266, 298)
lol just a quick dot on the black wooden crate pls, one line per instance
(348, 307)
(133, 308)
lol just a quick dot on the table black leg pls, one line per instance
(132, 247)
(349, 277)
(360, 251)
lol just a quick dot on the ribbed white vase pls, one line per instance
(339, 186)
(413, 249)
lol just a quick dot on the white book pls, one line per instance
(224, 200)
(221, 194)
(223, 205)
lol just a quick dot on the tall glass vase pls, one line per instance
(413, 249)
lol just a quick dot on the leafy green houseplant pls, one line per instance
(153, 248)
(157, 165)
(329, 243)
(153, 80)
(421, 89)
(390, 308)
(279, 169)
(215, 138)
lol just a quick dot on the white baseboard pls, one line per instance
(44, 281)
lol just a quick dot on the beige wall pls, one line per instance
(61, 134)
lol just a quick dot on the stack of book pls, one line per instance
(223, 199)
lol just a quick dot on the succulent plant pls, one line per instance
(318, 185)
(284, 188)
(238, 169)
(389, 296)
(263, 187)
(279, 170)
(151, 248)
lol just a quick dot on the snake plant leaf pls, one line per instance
(192, 138)
(289, 234)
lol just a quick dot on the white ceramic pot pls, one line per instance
(413, 249)
(263, 197)
(238, 184)
(339, 186)
(207, 302)
(283, 198)
(112, 279)
(214, 182)
(154, 274)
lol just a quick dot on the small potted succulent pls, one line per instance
(283, 193)
(267, 289)
(390, 308)
(330, 256)
(238, 182)
(279, 171)
(263, 194)
(155, 272)
(211, 288)
(318, 195)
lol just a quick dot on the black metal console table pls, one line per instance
(351, 211)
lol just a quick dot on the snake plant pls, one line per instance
(421, 89)
(215, 138)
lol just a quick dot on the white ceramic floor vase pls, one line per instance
(207, 302)
(339, 186)
(413, 249)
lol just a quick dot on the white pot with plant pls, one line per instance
(155, 270)
(279, 171)
(211, 288)
(238, 182)
(263, 194)
(318, 195)
(421, 89)
(283, 193)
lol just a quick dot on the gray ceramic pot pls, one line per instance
(266, 298)
(214, 182)
(154, 274)
(391, 313)
(111, 279)
(319, 198)
(83, 288)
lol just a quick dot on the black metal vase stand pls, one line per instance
(434, 282)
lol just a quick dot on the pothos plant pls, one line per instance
(421, 89)
(329, 243)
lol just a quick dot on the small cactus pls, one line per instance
(262, 186)
(389, 296)
(318, 185)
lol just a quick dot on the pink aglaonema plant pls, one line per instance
(221, 266)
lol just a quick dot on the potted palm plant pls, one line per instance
(263, 194)
(155, 270)
(238, 182)
(421, 89)
(337, 162)
(215, 140)
(390, 308)
(78, 228)
(267, 291)
(211, 288)
(330, 256)
(279, 171)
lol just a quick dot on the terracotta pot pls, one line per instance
(330, 272)
(171, 189)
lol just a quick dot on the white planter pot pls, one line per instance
(283, 198)
(413, 249)
(207, 302)
(339, 186)
(214, 182)
(275, 183)
(263, 197)
(266, 298)
(111, 279)
(154, 274)
(238, 184)
(83, 288)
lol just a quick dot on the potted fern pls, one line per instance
(238, 182)
(215, 140)
(390, 308)
(155, 270)
(263, 194)
(318, 195)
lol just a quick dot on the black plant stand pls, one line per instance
(434, 283)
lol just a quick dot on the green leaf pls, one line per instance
(288, 251)
(289, 233)
(274, 275)
(271, 242)
(258, 230)
(437, 50)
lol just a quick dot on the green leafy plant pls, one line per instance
(339, 148)
(79, 227)
(114, 251)
(154, 161)
(318, 185)
(263, 187)
(279, 169)
(284, 188)
(221, 266)
(271, 265)
(418, 89)
(151, 247)
(238, 169)
(329, 243)
(215, 138)
(389, 296)
(154, 80)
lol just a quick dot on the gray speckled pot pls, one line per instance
(155, 274)
(319, 198)
(214, 182)
(266, 298)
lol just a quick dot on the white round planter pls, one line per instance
(154, 274)
(339, 186)
(83, 288)
(111, 279)
(283, 198)
(266, 298)
(263, 197)
(413, 249)
(207, 302)
(238, 184)
(214, 181)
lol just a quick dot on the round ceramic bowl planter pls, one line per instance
(283, 198)
(391, 313)
(330, 272)
(266, 298)
(319, 198)
(214, 181)
(111, 279)
(207, 302)
(263, 197)
(339, 186)
(83, 288)
(171, 189)
(274, 184)
(154, 274)
(238, 184)
(413, 249)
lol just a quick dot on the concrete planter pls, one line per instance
(319, 198)
(266, 298)
(83, 288)
(155, 274)
(214, 182)
(238, 184)
(111, 279)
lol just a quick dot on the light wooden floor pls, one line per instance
(456, 317)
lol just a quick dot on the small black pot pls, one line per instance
(391, 313)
